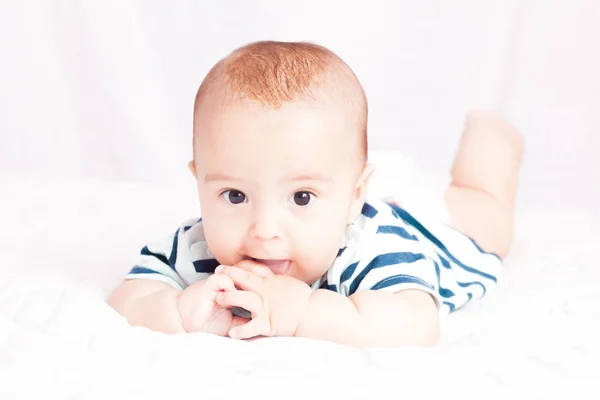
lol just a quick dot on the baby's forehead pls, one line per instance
(327, 124)
(321, 118)
(310, 128)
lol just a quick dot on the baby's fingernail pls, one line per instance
(232, 333)
(219, 269)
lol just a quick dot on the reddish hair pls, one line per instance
(273, 73)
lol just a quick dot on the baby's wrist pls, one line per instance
(307, 298)
(164, 315)
(185, 304)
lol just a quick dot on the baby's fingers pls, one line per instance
(238, 321)
(220, 282)
(256, 327)
(241, 298)
(259, 325)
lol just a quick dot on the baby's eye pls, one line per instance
(234, 196)
(302, 198)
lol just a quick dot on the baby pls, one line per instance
(289, 243)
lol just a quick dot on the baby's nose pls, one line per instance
(266, 225)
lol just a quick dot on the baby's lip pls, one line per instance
(279, 267)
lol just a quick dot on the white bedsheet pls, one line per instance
(65, 243)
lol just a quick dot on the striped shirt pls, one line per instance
(386, 248)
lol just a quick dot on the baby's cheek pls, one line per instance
(223, 241)
(324, 244)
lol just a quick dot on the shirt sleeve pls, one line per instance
(158, 261)
(395, 261)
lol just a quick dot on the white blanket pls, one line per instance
(65, 243)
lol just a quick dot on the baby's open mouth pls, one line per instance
(278, 267)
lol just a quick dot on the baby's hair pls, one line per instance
(273, 73)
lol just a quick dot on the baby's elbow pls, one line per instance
(406, 318)
(423, 314)
(430, 335)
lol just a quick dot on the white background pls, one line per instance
(105, 89)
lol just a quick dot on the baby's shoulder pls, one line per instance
(379, 226)
(193, 230)
(377, 214)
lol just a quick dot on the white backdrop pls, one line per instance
(105, 88)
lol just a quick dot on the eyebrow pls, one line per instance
(219, 177)
(312, 177)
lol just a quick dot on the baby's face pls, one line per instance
(278, 186)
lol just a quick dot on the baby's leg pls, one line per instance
(481, 197)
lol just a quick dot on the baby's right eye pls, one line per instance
(234, 196)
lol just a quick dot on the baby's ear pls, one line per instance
(360, 192)
(192, 168)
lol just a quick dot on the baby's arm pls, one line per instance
(368, 318)
(283, 306)
(372, 318)
(148, 303)
(160, 307)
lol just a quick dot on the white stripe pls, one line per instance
(155, 264)
(461, 247)
(155, 277)
(421, 269)
(365, 244)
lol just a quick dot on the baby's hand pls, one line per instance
(199, 310)
(277, 302)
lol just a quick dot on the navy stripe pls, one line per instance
(207, 266)
(396, 230)
(173, 256)
(142, 270)
(479, 248)
(146, 252)
(347, 274)
(452, 306)
(409, 218)
(369, 211)
(467, 284)
(187, 228)
(399, 279)
(446, 293)
(383, 260)
(445, 263)
(340, 251)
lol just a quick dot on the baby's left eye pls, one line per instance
(302, 198)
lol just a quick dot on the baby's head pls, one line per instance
(280, 153)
